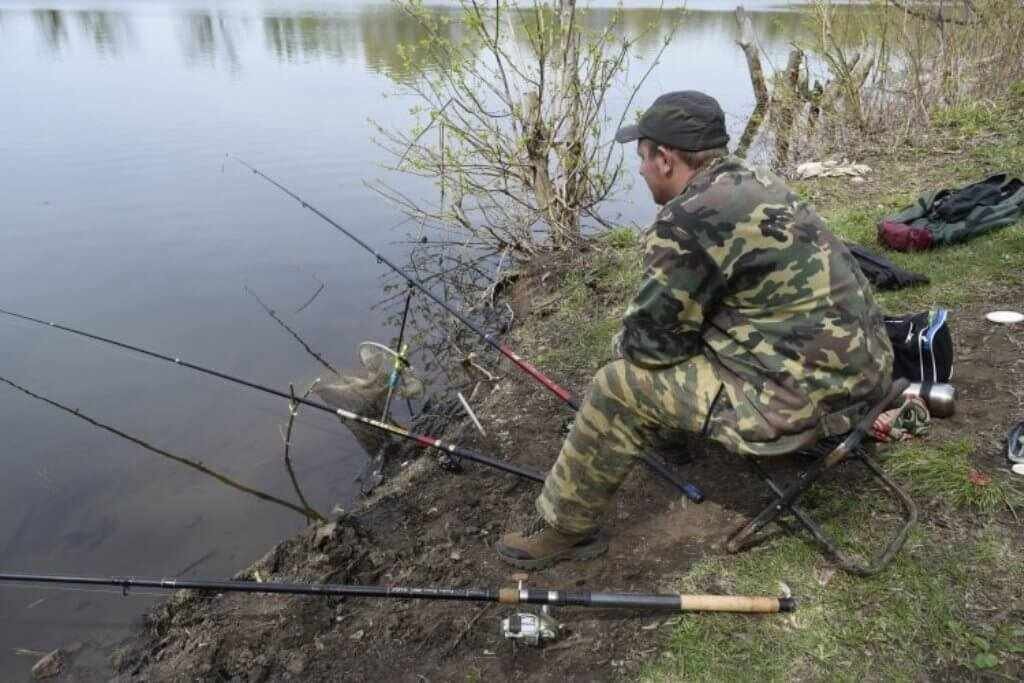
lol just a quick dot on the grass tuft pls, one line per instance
(945, 471)
(591, 302)
(909, 619)
(948, 607)
(969, 119)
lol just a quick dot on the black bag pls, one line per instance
(922, 346)
(881, 272)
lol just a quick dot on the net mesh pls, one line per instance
(365, 392)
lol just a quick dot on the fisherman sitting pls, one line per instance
(753, 328)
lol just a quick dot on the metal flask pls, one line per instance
(940, 398)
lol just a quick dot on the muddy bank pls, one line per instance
(435, 526)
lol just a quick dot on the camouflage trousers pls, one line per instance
(629, 410)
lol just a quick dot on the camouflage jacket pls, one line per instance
(740, 271)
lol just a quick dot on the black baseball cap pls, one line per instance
(687, 120)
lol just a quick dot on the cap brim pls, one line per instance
(628, 134)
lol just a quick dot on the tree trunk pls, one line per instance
(746, 43)
(564, 218)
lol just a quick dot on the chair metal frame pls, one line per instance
(851, 448)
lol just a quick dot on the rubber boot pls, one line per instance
(543, 546)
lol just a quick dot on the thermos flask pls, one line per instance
(940, 398)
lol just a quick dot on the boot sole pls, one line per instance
(585, 552)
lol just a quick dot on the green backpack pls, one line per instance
(949, 216)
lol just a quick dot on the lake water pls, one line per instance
(118, 214)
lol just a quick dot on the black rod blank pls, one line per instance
(421, 439)
(686, 488)
(508, 596)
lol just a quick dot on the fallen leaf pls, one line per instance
(979, 478)
(825, 575)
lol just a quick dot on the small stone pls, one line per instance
(358, 635)
(324, 533)
(456, 556)
(296, 665)
(48, 666)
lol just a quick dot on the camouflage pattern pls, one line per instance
(744, 291)
(627, 413)
(741, 272)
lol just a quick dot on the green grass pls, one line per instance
(968, 142)
(949, 606)
(957, 272)
(910, 619)
(590, 303)
(945, 472)
(968, 119)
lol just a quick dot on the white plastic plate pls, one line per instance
(1018, 468)
(1005, 317)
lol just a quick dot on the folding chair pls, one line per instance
(850, 448)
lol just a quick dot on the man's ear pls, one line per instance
(666, 160)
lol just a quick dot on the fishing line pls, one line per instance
(420, 439)
(73, 589)
(658, 467)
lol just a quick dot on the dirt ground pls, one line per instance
(431, 526)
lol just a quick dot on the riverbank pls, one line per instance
(949, 606)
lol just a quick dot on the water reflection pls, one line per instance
(108, 32)
(304, 38)
(372, 33)
(52, 26)
(77, 540)
(205, 38)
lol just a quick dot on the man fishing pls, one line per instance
(753, 328)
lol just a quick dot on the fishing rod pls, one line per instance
(687, 489)
(421, 439)
(490, 339)
(400, 359)
(520, 595)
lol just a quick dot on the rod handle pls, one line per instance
(735, 603)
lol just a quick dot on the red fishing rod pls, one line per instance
(501, 347)
(687, 489)
(421, 439)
